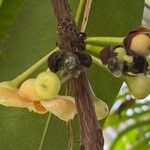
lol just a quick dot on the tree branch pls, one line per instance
(91, 134)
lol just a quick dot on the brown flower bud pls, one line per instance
(122, 61)
(106, 53)
(138, 41)
(116, 59)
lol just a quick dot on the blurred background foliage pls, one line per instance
(128, 125)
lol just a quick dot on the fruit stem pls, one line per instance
(19, 79)
(93, 49)
(105, 40)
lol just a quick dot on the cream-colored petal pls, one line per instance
(27, 90)
(9, 97)
(62, 106)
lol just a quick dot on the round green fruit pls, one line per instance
(47, 85)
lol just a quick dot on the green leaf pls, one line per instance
(1, 1)
(8, 13)
(33, 35)
(114, 17)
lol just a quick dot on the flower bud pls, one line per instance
(138, 41)
(61, 106)
(116, 59)
(122, 61)
(101, 108)
(139, 86)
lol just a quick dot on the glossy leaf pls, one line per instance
(8, 13)
(33, 36)
(1, 1)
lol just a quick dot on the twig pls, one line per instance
(86, 15)
(79, 12)
(91, 134)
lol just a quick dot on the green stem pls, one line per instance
(93, 49)
(19, 79)
(79, 12)
(105, 40)
(122, 133)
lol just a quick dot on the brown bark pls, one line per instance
(91, 134)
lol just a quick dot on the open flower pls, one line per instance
(9, 96)
(61, 106)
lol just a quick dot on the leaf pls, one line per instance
(33, 36)
(114, 17)
(8, 13)
(1, 1)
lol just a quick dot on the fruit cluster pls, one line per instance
(129, 61)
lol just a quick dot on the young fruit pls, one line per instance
(61, 106)
(138, 41)
(27, 90)
(101, 108)
(47, 85)
(139, 85)
(141, 44)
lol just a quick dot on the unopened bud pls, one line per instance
(101, 108)
(139, 86)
